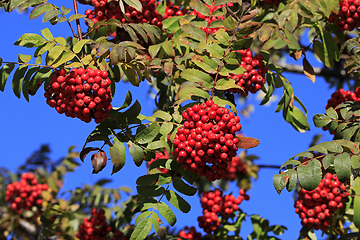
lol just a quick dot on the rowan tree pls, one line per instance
(200, 58)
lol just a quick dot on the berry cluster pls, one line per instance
(94, 227)
(254, 76)
(236, 167)
(216, 205)
(209, 19)
(348, 16)
(173, 10)
(189, 233)
(160, 155)
(84, 94)
(25, 194)
(207, 136)
(317, 206)
(341, 96)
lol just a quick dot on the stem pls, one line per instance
(29, 64)
(77, 20)
(268, 166)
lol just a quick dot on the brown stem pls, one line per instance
(268, 166)
(77, 20)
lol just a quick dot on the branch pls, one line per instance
(325, 72)
(77, 20)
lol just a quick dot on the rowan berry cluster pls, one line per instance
(216, 205)
(189, 233)
(160, 155)
(104, 10)
(209, 19)
(207, 137)
(339, 97)
(173, 10)
(94, 227)
(25, 194)
(236, 167)
(83, 93)
(254, 76)
(348, 16)
(317, 206)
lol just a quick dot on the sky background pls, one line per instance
(25, 126)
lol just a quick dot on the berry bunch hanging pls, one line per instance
(25, 194)
(317, 206)
(84, 94)
(236, 167)
(207, 137)
(216, 205)
(254, 76)
(94, 227)
(173, 10)
(348, 17)
(104, 10)
(189, 233)
(339, 97)
(209, 19)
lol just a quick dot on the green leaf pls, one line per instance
(135, 4)
(328, 160)
(39, 10)
(310, 174)
(153, 179)
(24, 58)
(322, 54)
(50, 14)
(136, 153)
(290, 162)
(355, 161)
(79, 45)
(141, 230)
(142, 216)
(18, 79)
(65, 10)
(162, 115)
(205, 63)
(321, 120)
(292, 180)
(200, 7)
(356, 201)
(53, 54)
(14, 4)
(185, 93)
(279, 182)
(160, 144)
(168, 48)
(76, 16)
(299, 118)
(47, 34)
(148, 134)
(118, 155)
(199, 77)
(25, 87)
(167, 213)
(332, 146)
(150, 191)
(177, 201)
(342, 165)
(193, 31)
(30, 40)
(184, 188)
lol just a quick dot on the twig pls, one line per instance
(77, 20)
(268, 166)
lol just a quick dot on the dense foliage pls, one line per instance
(198, 56)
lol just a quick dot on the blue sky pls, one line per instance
(25, 126)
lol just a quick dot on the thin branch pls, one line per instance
(77, 20)
(325, 72)
(268, 166)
